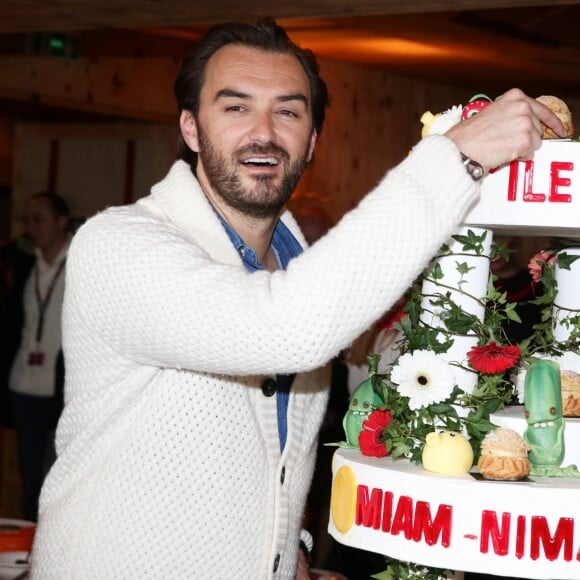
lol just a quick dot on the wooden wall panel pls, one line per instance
(91, 173)
(92, 166)
(372, 123)
(31, 167)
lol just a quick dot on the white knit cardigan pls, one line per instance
(169, 463)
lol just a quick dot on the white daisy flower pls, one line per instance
(444, 121)
(424, 377)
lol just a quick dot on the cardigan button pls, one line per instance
(269, 387)
(276, 563)
(283, 474)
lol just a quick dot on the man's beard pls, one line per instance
(266, 198)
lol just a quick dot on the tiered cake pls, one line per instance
(528, 528)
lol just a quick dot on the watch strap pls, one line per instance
(475, 169)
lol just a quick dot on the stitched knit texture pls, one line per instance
(169, 463)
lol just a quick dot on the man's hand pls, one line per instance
(510, 128)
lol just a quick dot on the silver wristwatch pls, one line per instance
(474, 168)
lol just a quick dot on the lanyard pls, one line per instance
(42, 303)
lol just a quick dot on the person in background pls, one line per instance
(37, 374)
(198, 331)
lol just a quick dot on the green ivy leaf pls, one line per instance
(510, 312)
(471, 242)
(463, 268)
(437, 271)
(566, 260)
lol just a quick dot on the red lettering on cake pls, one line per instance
(540, 535)
(387, 511)
(521, 537)
(368, 511)
(374, 509)
(558, 545)
(403, 519)
(513, 180)
(431, 530)
(529, 184)
(490, 529)
(557, 181)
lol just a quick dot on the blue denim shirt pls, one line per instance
(285, 247)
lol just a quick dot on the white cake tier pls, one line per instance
(521, 529)
(514, 418)
(538, 197)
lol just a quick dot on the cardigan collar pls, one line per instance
(181, 199)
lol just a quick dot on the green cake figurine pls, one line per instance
(363, 402)
(545, 432)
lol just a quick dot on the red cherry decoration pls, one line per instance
(473, 108)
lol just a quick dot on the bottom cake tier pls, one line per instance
(524, 529)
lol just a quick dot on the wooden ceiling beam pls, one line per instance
(45, 15)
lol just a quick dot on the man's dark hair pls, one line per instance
(265, 35)
(57, 203)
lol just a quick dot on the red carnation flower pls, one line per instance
(370, 439)
(493, 358)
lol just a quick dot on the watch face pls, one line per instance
(473, 167)
(476, 171)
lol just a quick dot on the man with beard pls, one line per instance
(197, 332)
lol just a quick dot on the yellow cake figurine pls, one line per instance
(447, 453)
(439, 123)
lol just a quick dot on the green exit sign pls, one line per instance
(55, 44)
